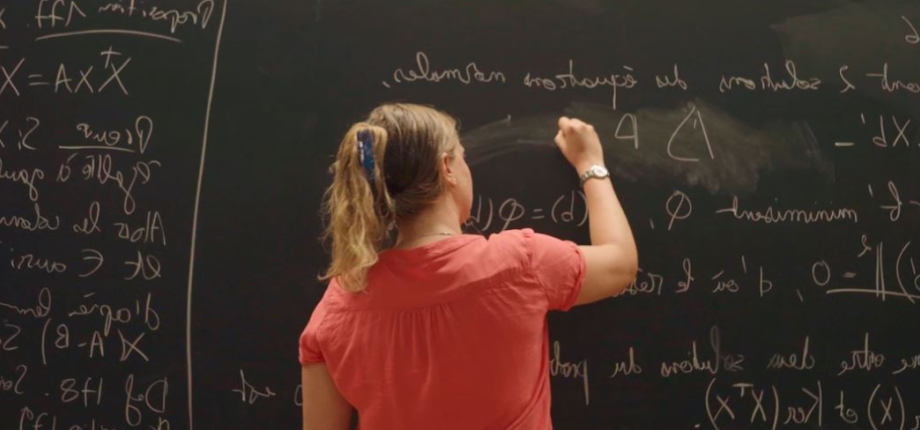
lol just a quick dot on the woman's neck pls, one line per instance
(436, 223)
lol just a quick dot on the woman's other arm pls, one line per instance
(324, 408)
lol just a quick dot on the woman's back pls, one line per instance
(449, 335)
(418, 333)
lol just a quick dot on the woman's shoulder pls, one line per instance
(332, 297)
(516, 237)
(511, 242)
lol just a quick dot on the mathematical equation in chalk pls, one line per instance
(92, 77)
(729, 404)
(489, 214)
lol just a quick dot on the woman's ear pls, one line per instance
(446, 171)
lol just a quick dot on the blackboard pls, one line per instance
(163, 164)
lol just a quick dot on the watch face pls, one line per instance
(600, 171)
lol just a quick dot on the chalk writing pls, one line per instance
(771, 215)
(88, 286)
(249, 394)
(423, 72)
(570, 80)
(566, 369)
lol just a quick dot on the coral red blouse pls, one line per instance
(450, 335)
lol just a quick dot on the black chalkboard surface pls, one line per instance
(162, 165)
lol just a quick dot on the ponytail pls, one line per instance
(358, 206)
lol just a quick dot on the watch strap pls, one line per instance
(592, 173)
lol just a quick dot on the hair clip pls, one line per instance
(366, 153)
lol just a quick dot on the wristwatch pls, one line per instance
(595, 171)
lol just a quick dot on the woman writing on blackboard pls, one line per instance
(433, 329)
